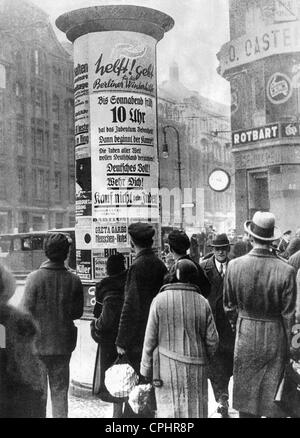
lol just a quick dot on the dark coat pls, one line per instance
(215, 299)
(202, 283)
(294, 261)
(260, 291)
(109, 303)
(21, 372)
(144, 280)
(54, 296)
(180, 339)
(292, 248)
(21, 378)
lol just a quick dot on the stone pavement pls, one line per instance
(84, 405)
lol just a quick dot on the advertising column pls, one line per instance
(115, 128)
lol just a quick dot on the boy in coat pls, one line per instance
(54, 297)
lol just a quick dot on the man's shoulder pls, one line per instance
(149, 257)
(239, 261)
(295, 257)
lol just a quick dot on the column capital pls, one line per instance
(114, 18)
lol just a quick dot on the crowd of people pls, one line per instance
(179, 323)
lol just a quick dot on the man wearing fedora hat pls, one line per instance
(221, 365)
(260, 298)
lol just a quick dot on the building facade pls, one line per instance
(262, 63)
(37, 176)
(204, 139)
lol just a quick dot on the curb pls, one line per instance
(81, 390)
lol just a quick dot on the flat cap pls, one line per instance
(179, 240)
(57, 245)
(141, 231)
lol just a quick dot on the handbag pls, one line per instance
(288, 391)
(121, 378)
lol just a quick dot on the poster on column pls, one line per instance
(84, 248)
(123, 133)
(82, 134)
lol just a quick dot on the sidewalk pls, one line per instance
(82, 404)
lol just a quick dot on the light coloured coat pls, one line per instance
(259, 297)
(180, 339)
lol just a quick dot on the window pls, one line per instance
(24, 225)
(20, 137)
(57, 186)
(18, 89)
(38, 101)
(36, 62)
(46, 104)
(1, 135)
(47, 144)
(2, 76)
(55, 107)
(21, 184)
(40, 191)
(72, 221)
(71, 151)
(17, 244)
(39, 144)
(3, 183)
(69, 109)
(1, 101)
(59, 222)
(55, 144)
(19, 61)
(37, 242)
(40, 184)
(72, 188)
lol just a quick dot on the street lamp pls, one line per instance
(165, 154)
(216, 132)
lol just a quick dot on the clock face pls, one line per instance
(219, 180)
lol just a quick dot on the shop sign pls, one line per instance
(290, 129)
(253, 135)
(267, 41)
(279, 88)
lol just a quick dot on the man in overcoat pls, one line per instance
(260, 298)
(54, 297)
(144, 280)
(221, 365)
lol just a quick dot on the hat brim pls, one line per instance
(277, 233)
